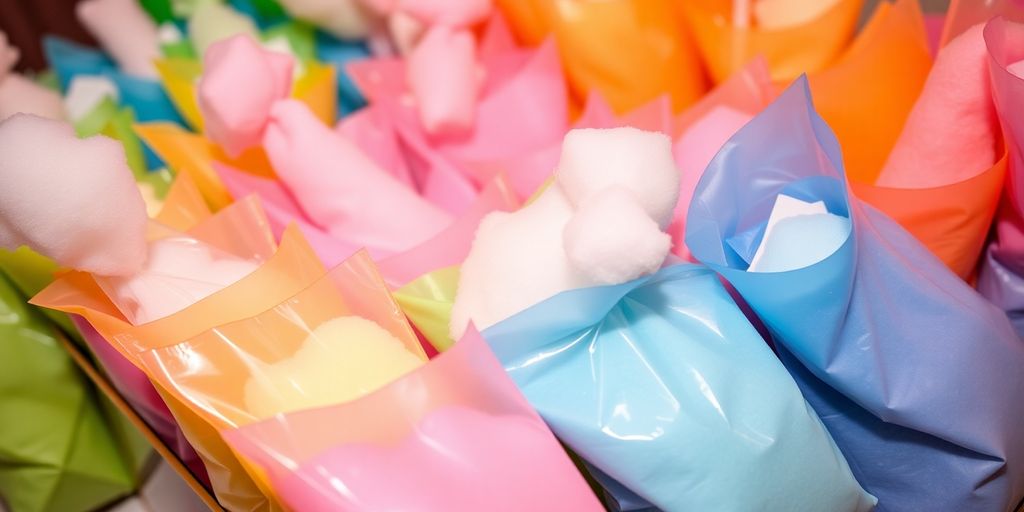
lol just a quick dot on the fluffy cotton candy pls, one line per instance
(780, 14)
(952, 132)
(341, 360)
(451, 13)
(73, 200)
(606, 234)
(347, 19)
(611, 239)
(178, 272)
(241, 81)
(341, 189)
(593, 160)
(212, 21)
(125, 31)
(21, 95)
(799, 234)
(516, 260)
(85, 92)
(444, 79)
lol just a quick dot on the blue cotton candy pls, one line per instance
(664, 387)
(801, 241)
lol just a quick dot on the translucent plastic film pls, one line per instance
(630, 51)
(728, 40)
(1001, 278)
(452, 435)
(663, 386)
(885, 342)
(338, 339)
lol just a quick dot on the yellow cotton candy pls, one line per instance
(343, 359)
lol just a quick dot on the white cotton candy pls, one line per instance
(612, 240)
(798, 234)
(85, 92)
(606, 235)
(73, 200)
(595, 159)
(178, 272)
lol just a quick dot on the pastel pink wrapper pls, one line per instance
(449, 247)
(445, 417)
(453, 13)
(522, 104)
(341, 189)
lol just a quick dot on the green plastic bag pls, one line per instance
(57, 452)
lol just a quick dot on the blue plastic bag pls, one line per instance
(917, 377)
(664, 387)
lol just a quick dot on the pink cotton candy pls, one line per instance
(341, 189)
(21, 95)
(452, 13)
(444, 79)
(73, 200)
(371, 130)
(952, 133)
(126, 32)
(439, 467)
(240, 83)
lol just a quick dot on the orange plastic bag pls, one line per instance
(242, 230)
(866, 95)
(952, 221)
(790, 51)
(631, 51)
(217, 373)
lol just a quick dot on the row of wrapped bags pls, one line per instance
(858, 300)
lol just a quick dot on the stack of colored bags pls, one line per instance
(531, 254)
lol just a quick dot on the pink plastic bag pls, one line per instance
(453, 435)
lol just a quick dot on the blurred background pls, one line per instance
(26, 21)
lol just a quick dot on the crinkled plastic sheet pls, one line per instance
(664, 387)
(916, 376)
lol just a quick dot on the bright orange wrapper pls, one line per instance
(790, 51)
(866, 98)
(631, 51)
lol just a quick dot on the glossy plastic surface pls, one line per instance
(663, 386)
(915, 375)
(453, 435)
